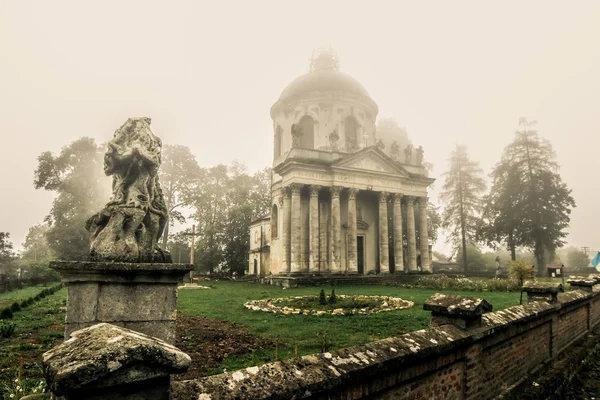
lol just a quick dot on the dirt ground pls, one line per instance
(208, 341)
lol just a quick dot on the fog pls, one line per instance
(207, 73)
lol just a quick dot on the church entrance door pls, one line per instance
(360, 253)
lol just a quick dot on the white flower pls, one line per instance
(20, 390)
(18, 387)
(16, 380)
(11, 396)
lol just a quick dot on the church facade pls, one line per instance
(341, 203)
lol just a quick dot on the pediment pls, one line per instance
(371, 160)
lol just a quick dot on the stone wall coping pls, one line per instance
(572, 297)
(92, 271)
(595, 277)
(542, 287)
(321, 373)
(581, 281)
(105, 354)
(457, 306)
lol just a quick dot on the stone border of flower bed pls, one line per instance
(389, 304)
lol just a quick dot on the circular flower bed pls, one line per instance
(348, 305)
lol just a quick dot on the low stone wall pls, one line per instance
(491, 355)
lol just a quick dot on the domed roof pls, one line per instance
(323, 80)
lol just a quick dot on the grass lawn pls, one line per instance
(225, 301)
(6, 299)
(39, 327)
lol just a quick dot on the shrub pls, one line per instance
(37, 297)
(24, 304)
(7, 329)
(6, 313)
(520, 272)
(322, 300)
(15, 307)
(332, 298)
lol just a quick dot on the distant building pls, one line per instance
(341, 202)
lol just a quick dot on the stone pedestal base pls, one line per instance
(138, 296)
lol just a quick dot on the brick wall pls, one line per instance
(482, 362)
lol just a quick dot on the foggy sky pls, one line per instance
(207, 72)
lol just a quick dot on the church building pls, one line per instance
(341, 203)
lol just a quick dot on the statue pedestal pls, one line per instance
(138, 296)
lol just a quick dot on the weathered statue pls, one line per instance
(395, 151)
(127, 229)
(420, 155)
(334, 138)
(408, 154)
(380, 145)
(296, 134)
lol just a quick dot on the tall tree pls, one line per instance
(224, 202)
(462, 192)
(529, 204)
(7, 253)
(36, 244)
(76, 175)
(179, 174)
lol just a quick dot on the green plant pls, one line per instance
(6, 313)
(322, 300)
(15, 307)
(520, 272)
(332, 298)
(7, 329)
(24, 304)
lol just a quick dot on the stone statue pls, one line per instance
(127, 229)
(296, 134)
(395, 151)
(334, 138)
(408, 154)
(420, 155)
(380, 145)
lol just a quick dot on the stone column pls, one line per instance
(384, 252)
(285, 231)
(324, 236)
(336, 239)
(296, 230)
(352, 256)
(412, 240)
(313, 255)
(398, 253)
(423, 235)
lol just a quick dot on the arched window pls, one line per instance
(307, 125)
(255, 267)
(277, 140)
(274, 222)
(351, 132)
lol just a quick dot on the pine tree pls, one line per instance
(462, 191)
(528, 205)
(322, 299)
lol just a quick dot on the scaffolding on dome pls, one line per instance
(324, 59)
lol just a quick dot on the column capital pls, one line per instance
(410, 199)
(383, 196)
(352, 193)
(397, 197)
(280, 199)
(335, 191)
(295, 188)
(423, 200)
(314, 190)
